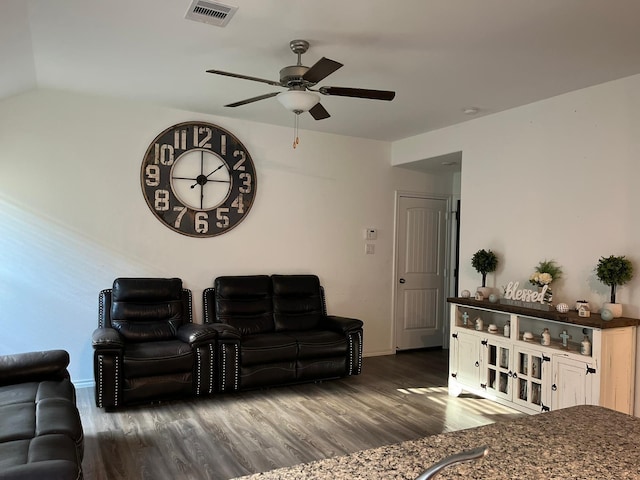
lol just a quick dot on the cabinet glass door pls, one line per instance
(529, 374)
(498, 369)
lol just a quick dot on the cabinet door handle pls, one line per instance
(477, 364)
(402, 280)
(554, 387)
(515, 375)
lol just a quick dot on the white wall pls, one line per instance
(73, 218)
(16, 52)
(557, 179)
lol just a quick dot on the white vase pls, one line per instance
(485, 291)
(614, 308)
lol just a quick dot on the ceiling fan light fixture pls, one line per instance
(298, 101)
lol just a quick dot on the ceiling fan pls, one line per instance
(300, 80)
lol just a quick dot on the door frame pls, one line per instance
(449, 261)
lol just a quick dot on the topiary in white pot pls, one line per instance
(484, 261)
(614, 271)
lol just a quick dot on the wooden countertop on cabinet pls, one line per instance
(593, 321)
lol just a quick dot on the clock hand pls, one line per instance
(202, 179)
(189, 178)
(215, 170)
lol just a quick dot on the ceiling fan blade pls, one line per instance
(358, 92)
(253, 99)
(245, 77)
(319, 112)
(321, 69)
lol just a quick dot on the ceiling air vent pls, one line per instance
(210, 12)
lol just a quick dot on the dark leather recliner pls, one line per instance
(275, 330)
(40, 429)
(146, 346)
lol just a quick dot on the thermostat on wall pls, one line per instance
(370, 234)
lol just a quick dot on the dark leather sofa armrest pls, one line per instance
(226, 332)
(33, 366)
(197, 334)
(106, 338)
(342, 324)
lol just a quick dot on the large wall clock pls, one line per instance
(198, 179)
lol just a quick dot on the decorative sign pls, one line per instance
(524, 297)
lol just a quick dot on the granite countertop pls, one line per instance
(583, 442)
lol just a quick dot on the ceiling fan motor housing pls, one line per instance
(292, 76)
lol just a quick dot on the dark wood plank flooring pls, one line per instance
(396, 398)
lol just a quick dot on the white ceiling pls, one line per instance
(440, 56)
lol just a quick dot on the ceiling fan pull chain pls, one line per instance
(296, 140)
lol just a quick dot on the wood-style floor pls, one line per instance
(396, 398)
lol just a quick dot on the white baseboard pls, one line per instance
(379, 353)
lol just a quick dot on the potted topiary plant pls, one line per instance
(484, 261)
(614, 271)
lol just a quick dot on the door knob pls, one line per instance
(402, 280)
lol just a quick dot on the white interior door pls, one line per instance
(420, 272)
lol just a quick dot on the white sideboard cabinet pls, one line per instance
(520, 372)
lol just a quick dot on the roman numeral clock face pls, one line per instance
(198, 179)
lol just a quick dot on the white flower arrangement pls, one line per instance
(540, 279)
(546, 272)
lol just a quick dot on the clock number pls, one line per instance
(202, 222)
(240, 163)
(238, 204)
(181, 211)
(180, 139)
(204, 142)
(164, 154)
(222, 217)
(223, 145)
(161, 200)
(246, 182)
(153, 175)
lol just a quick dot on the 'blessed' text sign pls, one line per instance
(524, 295)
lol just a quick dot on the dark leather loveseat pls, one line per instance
(146, 346)
(275, 330)
(40, 429)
